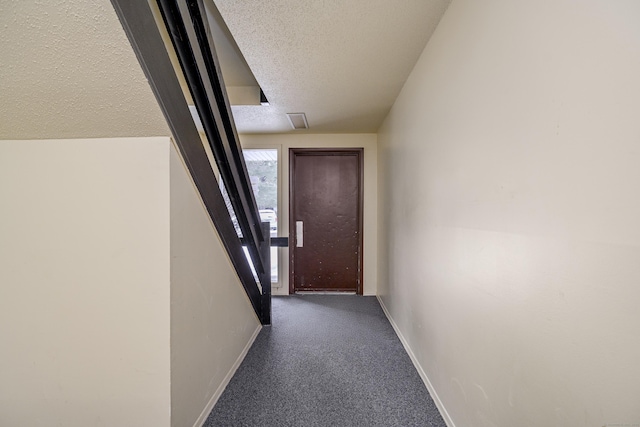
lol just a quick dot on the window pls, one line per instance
(262, 166)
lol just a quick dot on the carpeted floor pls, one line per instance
(328, 360)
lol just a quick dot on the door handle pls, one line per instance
(299, 234)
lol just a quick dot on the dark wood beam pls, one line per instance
(191, 37)
(139, 24)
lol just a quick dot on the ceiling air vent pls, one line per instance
(298, 120)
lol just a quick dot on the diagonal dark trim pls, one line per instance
(190, 35)
(265, 278)
(138, 22)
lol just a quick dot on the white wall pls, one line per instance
(212, 320)
(84, 274)
(509, 212)
(118, 303)
(285, 141)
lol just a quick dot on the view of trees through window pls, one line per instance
(264, 180)
(262, 167)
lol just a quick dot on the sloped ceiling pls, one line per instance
(67, 70)
(341, 62)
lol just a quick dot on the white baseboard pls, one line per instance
(214, 399)
(423, 375)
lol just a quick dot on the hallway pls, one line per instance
(328, 360)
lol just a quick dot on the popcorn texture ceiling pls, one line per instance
(342, 62)
(67, 70)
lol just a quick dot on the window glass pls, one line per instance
(262, 166)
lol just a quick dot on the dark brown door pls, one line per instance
(325, 225)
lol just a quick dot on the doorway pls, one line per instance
(325, 220)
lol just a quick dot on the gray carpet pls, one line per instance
(328, 360)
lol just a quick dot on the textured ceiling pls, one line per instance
(67, 70)
(342, 62)
(234, 67)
